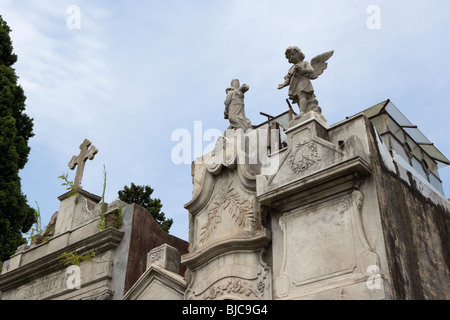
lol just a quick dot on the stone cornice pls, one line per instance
(201, 255)
(353, 168)
(83, 192)
(100, 242)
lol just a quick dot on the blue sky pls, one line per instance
(135, 71)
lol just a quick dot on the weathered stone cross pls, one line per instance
(80, 160)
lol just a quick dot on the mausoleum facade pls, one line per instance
(293, 208)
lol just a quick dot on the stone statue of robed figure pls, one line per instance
(234, 106)
(299, 78)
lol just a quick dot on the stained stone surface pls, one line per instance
(227, 240)
(330, 214)
(38, 272)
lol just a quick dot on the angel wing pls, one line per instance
(319, 64)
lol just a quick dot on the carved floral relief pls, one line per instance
(231, 203)
(303, 156)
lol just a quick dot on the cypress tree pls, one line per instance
(16, 128)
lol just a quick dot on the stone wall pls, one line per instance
(37, 272)
(416, 231)
(143, 240)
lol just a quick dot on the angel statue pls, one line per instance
(299, 79)
(234, 106)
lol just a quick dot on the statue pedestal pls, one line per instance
(307, 116)
(319, 245)
(74, 210)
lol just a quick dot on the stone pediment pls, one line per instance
(224, 200)
(311, 160)
(157, 283)
(228, 214)
(227, 239)
(307, 154)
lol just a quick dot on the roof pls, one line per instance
(414, 133)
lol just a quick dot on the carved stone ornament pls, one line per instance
(87, 151)
(231, 286)
(231, 203)
(104, 295)
(303, 156)
(249, 280)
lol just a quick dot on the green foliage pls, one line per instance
(36, 228)
(141, 195)
(16, 128)
(70, 186)
(75, 258)
(36, 234)
(119, 219)
(7, 57)
(102, 220)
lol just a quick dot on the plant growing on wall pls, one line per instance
(70, 186)
(37, 235)
(75, 258)
(36, 229)
(102, 220)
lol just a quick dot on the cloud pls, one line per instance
(135, 72)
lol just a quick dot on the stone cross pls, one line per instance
(80, 160)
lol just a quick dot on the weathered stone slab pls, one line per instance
(77, 210)
(38, 272)
(232, 275)
(46, 277)
(324, 247)
(157, 284)
(164, 256)
(227, 239)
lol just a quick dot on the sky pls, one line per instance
(128, 74)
